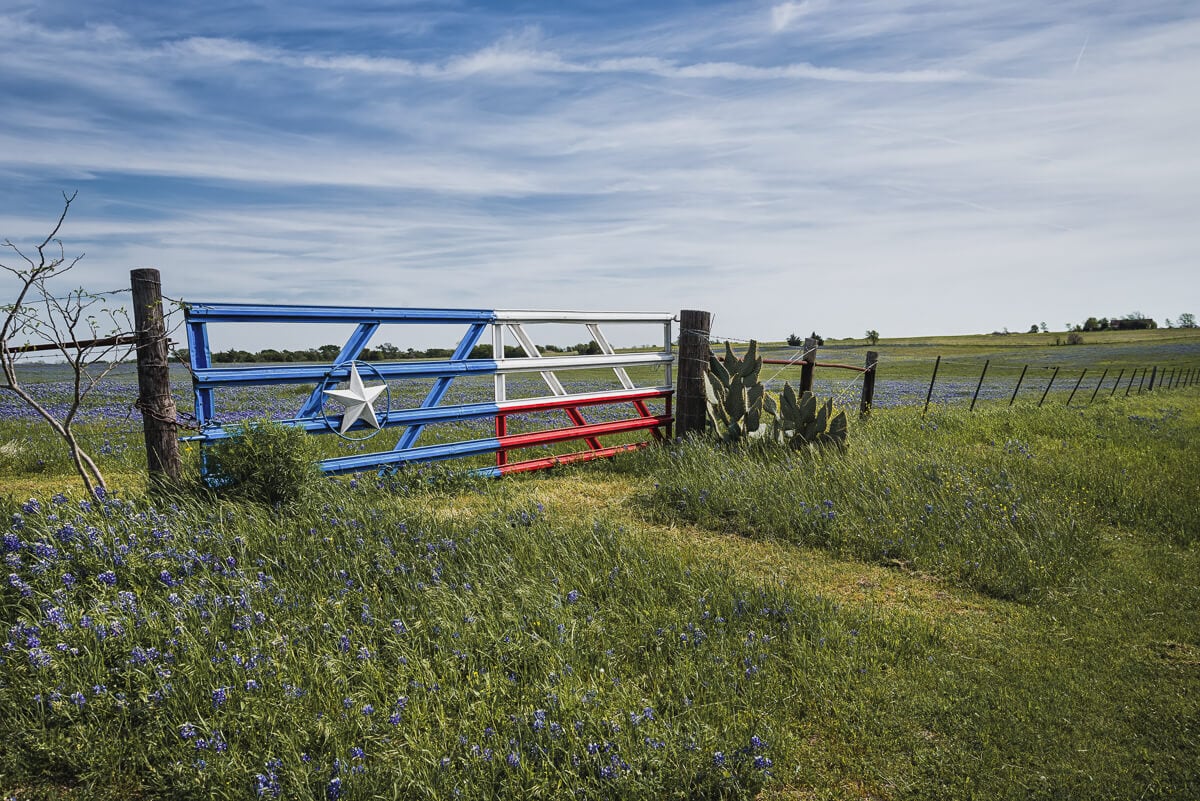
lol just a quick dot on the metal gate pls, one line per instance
(437, 377)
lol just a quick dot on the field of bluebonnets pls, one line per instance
(997, 604)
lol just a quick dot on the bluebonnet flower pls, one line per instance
(107, 577)
(333, 790)
(218, 697)
(513, 760)
(12, 542)
(368, 709)
(78, 699)
(762, 762)
(719, 759)
(187, 731)
(267, 784)
(572, 596)
(357, 753)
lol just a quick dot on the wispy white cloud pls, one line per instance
(760, 150)
(784, 14)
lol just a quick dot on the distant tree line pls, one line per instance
(387, 352)
(798, 341)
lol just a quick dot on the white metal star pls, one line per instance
(357, 401)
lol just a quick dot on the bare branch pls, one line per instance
(67, 201)
(61, 323)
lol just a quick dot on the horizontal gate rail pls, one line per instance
(467, 411)
(480, 447)
(206, 377)
(255, 313)
(313, 417)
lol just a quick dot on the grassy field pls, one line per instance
(989, 605)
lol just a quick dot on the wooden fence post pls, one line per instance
(809, 365)
(868, 387)
(691, 413)
(1153, 374)
(1129, 386)
(154, 376)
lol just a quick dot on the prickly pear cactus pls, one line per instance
(739, 407)
(803, 422)
(735, 395)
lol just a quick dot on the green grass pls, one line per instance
(1002, 605)
(963, 356)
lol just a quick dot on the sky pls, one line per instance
(907, 166)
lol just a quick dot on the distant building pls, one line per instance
(1117, 324)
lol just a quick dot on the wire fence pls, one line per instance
(964, 382)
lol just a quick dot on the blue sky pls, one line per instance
(913, 167)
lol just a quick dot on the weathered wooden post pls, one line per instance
(1153, 374)
(1116, 383)
(154, 376)
(809, 365)
(978, 386)
(868, 387)
(691, 410)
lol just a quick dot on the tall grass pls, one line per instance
(434, 636)
(1008, 502)
(363, 646)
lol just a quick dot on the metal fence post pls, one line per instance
(929, 394)
(979, 385)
